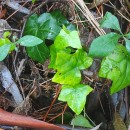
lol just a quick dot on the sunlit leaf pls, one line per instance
(63, 40)
(116, 67)
(75, 96)
(69, 66)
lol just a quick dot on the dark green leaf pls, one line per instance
(69, 66)
(80, 120)
(110, 21)
(44, 26)
(61, 20)
(4, 50)
(75, 96)
(116, 67)
(29, 41)
(38, 53)
(104, 45)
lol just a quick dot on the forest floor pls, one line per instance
(33, 78)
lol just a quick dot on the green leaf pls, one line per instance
(110, 21)
(128, 35)
(4, 41)
(38, 53)
(75, 96)
(127, 44)
(61, 20)
(33, 1)
(63, 40)
(44, 26)
(6, 34)
(67, 38)
(69, 66)
(53, 53)
(104, 45)
(4, 50)
(116, 67)
(29, 41)
(80, 120)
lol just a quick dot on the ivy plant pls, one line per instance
(68, 58)
(6, 46)
(115, 64)
(45, 26)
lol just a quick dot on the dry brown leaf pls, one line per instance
(118, 122)
(2, 13)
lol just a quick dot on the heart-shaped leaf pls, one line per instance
(80, 120)
(38, 53)
(69, 66)
(75, 96)
(63, 40)
(116, 67)
(110, 21)
(104, 45)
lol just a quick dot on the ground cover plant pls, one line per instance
(51, 38)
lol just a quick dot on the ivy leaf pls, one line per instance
(116, 67)
(127, 44)
(61, 20)
(104, 45)
(63, 40)
(4, 50)
(29, 41)
(67, 38)
(69, 66)
(75, 96)
(38, 53)
(44, 26)
(110, 21)
(80, 120)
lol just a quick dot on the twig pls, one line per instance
(52, 103)
(59, 114)
(37, 8)
(17, 10)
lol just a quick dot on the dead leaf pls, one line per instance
(118, 122)
(3, 13)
